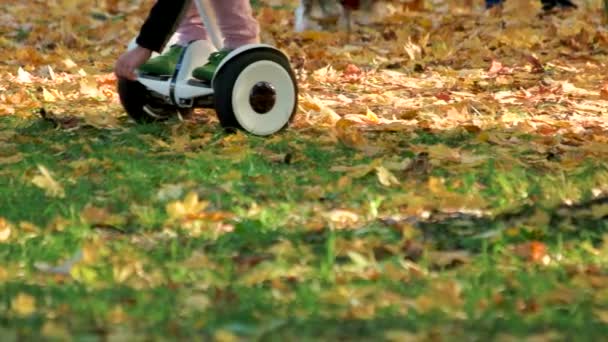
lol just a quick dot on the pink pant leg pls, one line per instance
(236, 21)
(191, 27)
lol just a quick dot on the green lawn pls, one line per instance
(275, 245)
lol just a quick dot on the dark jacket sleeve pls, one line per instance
(161, 23)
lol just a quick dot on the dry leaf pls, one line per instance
(47, 96)
(190, 206)
(385, 177)
(23, 304)
(341, 219)
(23, 76)
(69, 63)
(89, 88)
(5, 230)
(534, 251)
(46, 182)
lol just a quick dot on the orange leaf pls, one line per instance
(534, 251)
(604, 91)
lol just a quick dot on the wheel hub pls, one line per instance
(262, 97)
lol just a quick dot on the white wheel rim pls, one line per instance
(279, 115)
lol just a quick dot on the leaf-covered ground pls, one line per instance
(446, 178)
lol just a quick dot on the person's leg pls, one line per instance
(236, 22)
(550, 5)
(492, 3)
(190, 28)
(238, 27)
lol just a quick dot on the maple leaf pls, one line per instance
(191, 206)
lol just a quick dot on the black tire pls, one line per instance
(142, 107)
(225, 79)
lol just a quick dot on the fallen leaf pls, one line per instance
(604, 91)
(534, 251)
(190, 206)
(341, 219)
(352, 69)
(69, 63)
(5, 230)
(46, 182)
(47, 96)
(23, 305)
(23, 76)
(385, 177)
(88, 87)
(495, 67)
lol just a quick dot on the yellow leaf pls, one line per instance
(349, 134)
(358, 259)
(602, 315)
(47, 96)
(88, 87)
(69, 63)
(385, 177)
(23, 304)
(46, 182)
(5, 230)
(190, 206)
(436, 185)
(371, 116)
(225, 336)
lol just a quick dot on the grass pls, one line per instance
(482, 215)
(282, 273)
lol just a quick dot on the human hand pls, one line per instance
(131, 60)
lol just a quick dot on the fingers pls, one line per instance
(129, 61)
(125, 68)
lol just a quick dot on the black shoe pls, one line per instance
(551, 5)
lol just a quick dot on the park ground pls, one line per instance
(445, 178)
